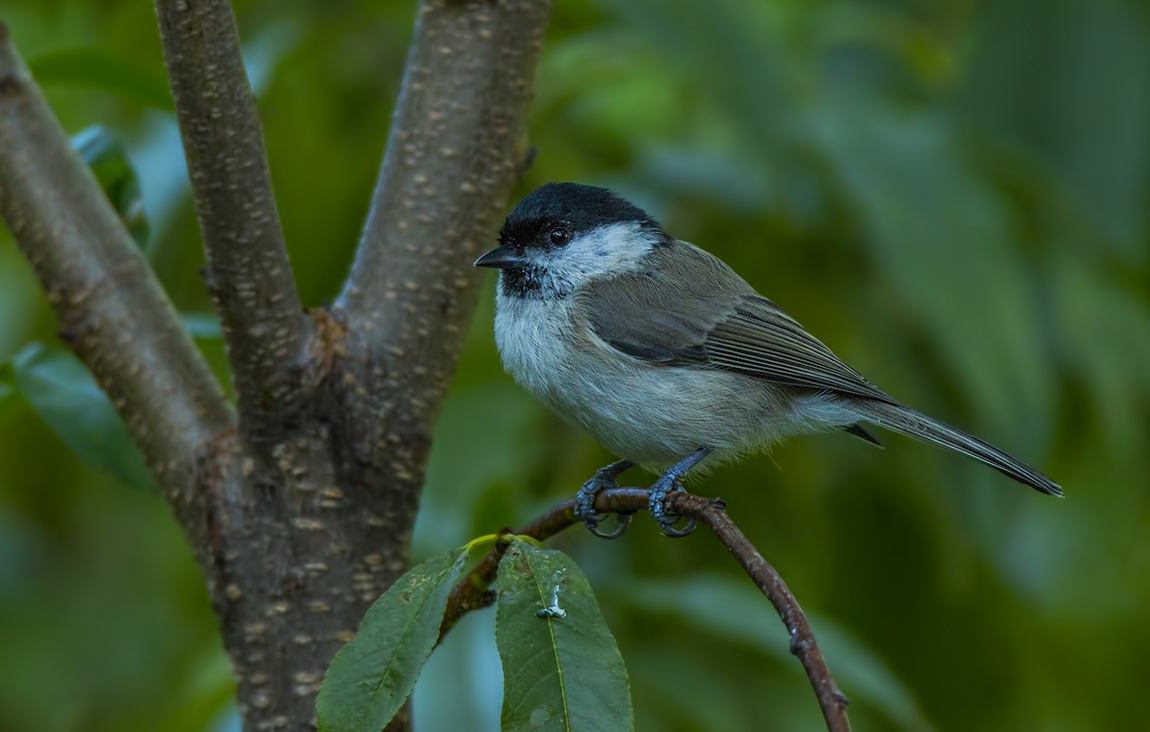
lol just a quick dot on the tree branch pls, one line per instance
(249, 275)
(455, 151)
(112, 311)
(472, 593)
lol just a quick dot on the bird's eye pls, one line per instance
(559, 236)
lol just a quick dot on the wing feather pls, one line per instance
(687, 308)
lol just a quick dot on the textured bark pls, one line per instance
(300, 510)
(297, 555)
(452, 159)
(248, 273)
(111, 309)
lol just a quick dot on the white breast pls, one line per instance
(530, 342)
(652, 415)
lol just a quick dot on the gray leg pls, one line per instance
(668, 483)
(585, 499)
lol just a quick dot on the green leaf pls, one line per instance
(93, 68)
(372, 676)
(561, 667)
(106, 156)
(63, 393)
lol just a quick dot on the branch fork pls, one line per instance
(300, 500)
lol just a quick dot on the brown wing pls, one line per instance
(689, 309)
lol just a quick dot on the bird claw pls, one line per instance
(657, 505)
(667, 484)
(585, 501)
(624, 523)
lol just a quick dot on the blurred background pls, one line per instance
(951, 194)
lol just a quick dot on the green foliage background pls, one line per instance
(952, 194)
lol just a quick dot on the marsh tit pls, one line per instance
(666, 356)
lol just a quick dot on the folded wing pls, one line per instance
(690, 309)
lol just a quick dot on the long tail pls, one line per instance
(911, 423)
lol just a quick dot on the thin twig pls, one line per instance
(803, 645)
(472, 592)
(248, 271)
(111, 308)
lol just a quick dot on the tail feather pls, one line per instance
(861, 432)
(909, 422)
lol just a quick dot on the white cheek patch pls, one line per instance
(603, 251)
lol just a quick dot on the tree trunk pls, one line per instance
(300, 500)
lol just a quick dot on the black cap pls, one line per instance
(578, 207)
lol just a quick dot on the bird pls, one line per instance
(667, 357)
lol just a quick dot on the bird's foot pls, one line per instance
(603, 479)
(668, 483)
(657, 505)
